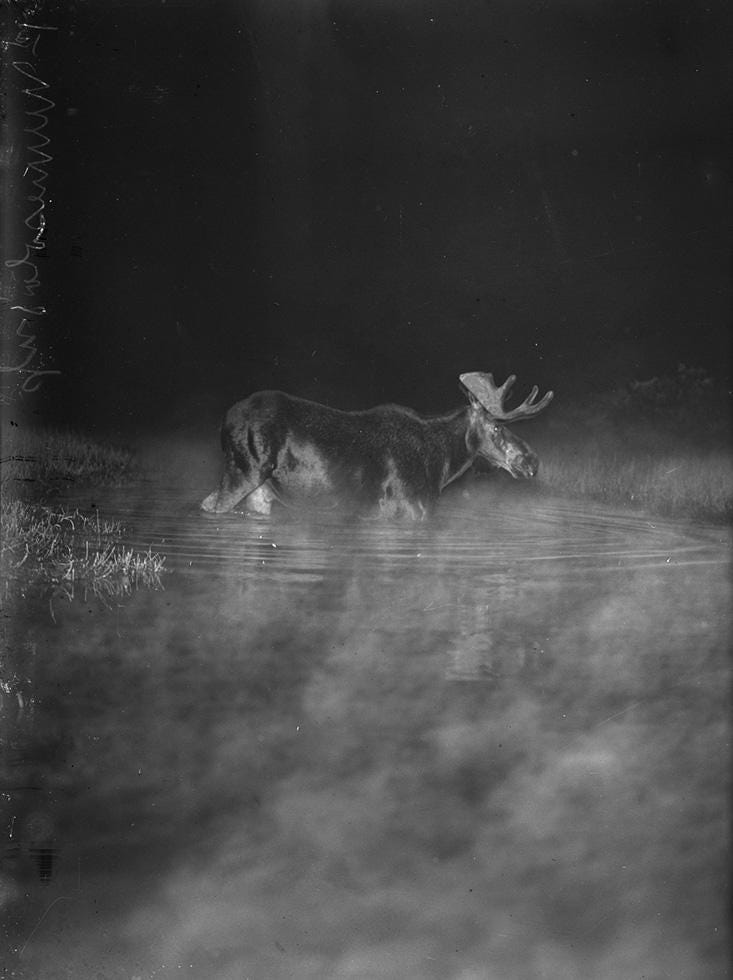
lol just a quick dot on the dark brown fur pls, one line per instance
(277, 446)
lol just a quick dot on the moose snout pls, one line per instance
(525, 465)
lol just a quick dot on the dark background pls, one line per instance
(357, 202)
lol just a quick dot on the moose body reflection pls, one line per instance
(389, 459)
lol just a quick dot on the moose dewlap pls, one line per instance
(388, 458)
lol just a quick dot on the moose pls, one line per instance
(389, 458)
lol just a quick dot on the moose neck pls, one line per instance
(451, 439)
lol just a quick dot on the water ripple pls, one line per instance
(487, 531)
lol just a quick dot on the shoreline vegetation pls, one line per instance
(662, 446)
(49, 546)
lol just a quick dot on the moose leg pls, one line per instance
(396, 501)
(260, 500)
(234, 485)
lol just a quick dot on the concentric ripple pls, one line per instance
(486, 531)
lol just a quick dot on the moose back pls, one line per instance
(388, 459)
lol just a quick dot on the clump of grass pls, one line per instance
(662, 444)
(55, 546)
(68, 549)
(114, 570)
(49, 456)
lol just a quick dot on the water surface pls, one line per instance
(489, 746)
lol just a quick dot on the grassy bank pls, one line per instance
(42, 544)
(674, 482)
(46, 459)
(663, 445)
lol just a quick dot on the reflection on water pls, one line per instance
(493, 746)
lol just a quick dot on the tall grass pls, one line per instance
(662, 445)
(692, 483)
(67, 548)
(45, 457)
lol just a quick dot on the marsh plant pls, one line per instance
(67, 549)
(55, 546)
(662, 444)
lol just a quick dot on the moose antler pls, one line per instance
(484, 389)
